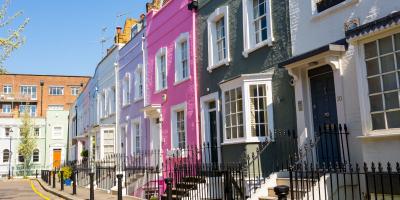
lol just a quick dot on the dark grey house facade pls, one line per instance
(244, 96)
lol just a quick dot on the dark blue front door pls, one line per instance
(324, 113)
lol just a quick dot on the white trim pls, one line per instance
(205, 137)
(249, 44)
(135, 121)
(178, 63)
(212, 59)
(174, 110)
(244, 82)
(161, 52)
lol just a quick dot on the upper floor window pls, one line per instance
(139, 82)
(29, 91)
(30, 109)
(75, 91)
(36, 132)
(126, 94)
(6, 155)
(7, 131)
(35, 155)
(56, 90)
(218, 38)
(57, 132)
(257, 26)
(325, 4)
(161, 69)
(7, 89)
(56, 107)
(6, 108)
(182, 57)
(382, 58)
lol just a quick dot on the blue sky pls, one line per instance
(63, 36)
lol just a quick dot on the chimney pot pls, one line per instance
(119, 30)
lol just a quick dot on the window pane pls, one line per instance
(376, 103)
(372, 67)
(232, 95)
(239, 93)
(393, 119)
(253, 90)
(397, 41)
(374, 85)
(370, 50)
(389, 82)
(378, 121)
(240, 131)
(392, 100)
(398, 60)
(385, 45)
(387, 63)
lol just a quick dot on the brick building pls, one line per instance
(48, 99)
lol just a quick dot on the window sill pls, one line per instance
(160, 90)
(219, 64)
(181, 81)
(316, 15)
(243, 140)
(381, 135)
(268, 42)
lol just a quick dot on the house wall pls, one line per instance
(258, 61)
(130, 56)
(56, 119)
(163, 28)
(327, 27)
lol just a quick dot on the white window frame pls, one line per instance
(7, 89)
(249, 42)
(8, 154)
(174, 136)
(183, 37)
(126, 87)
(56, 88)
(212, 35)
(29, 91)
(38, 156)
(31, 113)
(139, 89)
(34, 131)
(55, 107)
(9, 131)
(56, 136)
(75, 90)
(245, 81)
(161, 52)
(6, 108)
(134, 148)
(364, 92)
(102, 145)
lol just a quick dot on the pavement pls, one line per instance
(82, 193)
(24, 189)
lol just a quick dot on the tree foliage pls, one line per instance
(27, 142)
(12, 38)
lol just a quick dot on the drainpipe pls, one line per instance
(116, 69)
(67, 157)
(41, 97)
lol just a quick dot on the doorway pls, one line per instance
(56, 158)
(155, 142)
(324, 112)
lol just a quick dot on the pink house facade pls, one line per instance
(171, 97)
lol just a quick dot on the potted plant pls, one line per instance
(67, 175)
(85, 153)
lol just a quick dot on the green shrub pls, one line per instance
(85, 153)
(67, 172)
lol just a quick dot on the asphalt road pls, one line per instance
(23, 190)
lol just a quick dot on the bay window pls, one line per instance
(247, 108)
(382, 59)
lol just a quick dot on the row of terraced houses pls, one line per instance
(224, 76)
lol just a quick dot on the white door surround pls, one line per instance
(205, 129)
(301, 82)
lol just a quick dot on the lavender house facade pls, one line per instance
(132, 124)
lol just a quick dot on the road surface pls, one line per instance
(23, 190)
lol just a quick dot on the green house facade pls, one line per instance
(244, 96)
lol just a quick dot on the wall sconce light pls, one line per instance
(194, 5)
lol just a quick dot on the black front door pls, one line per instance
(324, 113)
(212, 116)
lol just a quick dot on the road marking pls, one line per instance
(37, 192)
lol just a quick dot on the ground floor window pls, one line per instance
(136, 136)
(258, 110)
(179, 121)
(233, 113)
(108, 142)
(6, 155)
(382, 61)
(35, 155)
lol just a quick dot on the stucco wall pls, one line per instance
(130, 56)
(163, 28)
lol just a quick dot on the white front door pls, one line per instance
(155, 142)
